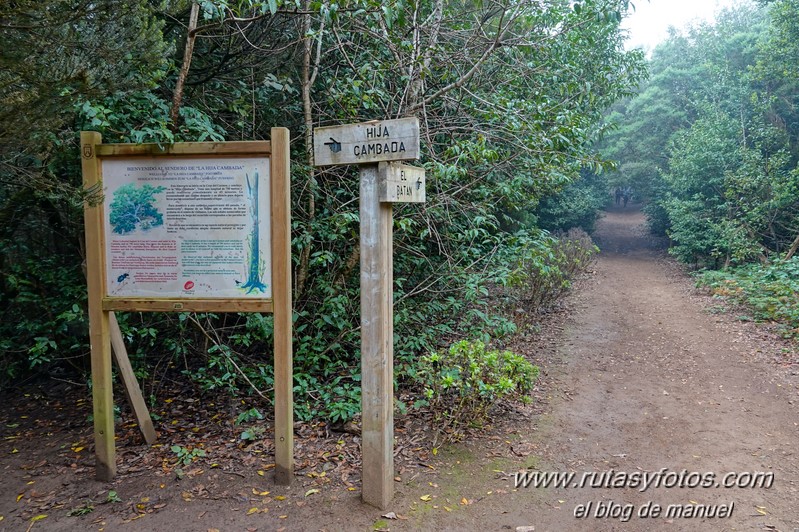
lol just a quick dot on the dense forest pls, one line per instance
(712, 141)
(530, 113)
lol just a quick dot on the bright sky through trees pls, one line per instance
(649, 23)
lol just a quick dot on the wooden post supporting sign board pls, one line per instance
(202, 227)
(377, 342)
(130, 384)
(373, 145)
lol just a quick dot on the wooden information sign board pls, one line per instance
(366, 145)
(367, 142)
(187, 227)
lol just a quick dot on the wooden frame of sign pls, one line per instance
(182, 227)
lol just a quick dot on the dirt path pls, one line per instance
(641, 384)
(651, 380)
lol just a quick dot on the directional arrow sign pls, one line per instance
(367, 142)
(335, 146)
(400, 183)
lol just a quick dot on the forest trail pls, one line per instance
(656, 381)
(650, 380)
(644, 376)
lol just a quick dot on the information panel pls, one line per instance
(187, 227)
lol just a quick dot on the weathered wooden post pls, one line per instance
(99, 326)
(377, 342)
(369, 145)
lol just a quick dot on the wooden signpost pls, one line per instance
(367, 142)
(372, 146)
(202, 227)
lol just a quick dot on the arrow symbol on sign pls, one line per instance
(335, 146)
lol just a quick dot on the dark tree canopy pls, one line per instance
(511, 97)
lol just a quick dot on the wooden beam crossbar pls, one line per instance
(187, 305)
(207, 149)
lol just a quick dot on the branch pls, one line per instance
(496, 43)
(218, 343)
(184, 70)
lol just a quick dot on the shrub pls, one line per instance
(545, 273)
(577, 205)
(771, 291)
(463, 382)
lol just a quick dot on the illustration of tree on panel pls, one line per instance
(133, 208)
(254, 268)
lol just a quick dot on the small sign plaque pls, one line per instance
(401, 183)
(367, 142)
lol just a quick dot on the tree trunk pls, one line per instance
(177, 97)
(308, 77)
(418, 69)
(793, 248)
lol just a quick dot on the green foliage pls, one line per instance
(187, 455)
(511, 97)
(712, 141)
(253, 433)
(42, 286)
(132, 208)
(770, 291)
(60, 52)
(249, 416)
(50, 324)
(545, 271)
(88, 506)
(220, 370)
(463, 382)
(577, 205)
(143, 116)
(85, 509)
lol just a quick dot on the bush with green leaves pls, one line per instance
(770, 291)
(544, 273)
(577, 205)
(50, 326)
(463, 382)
